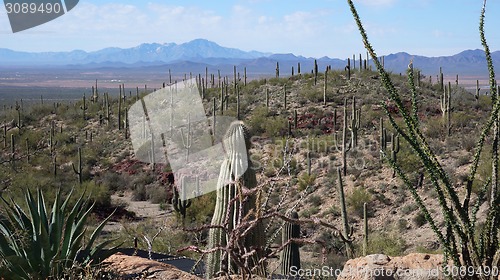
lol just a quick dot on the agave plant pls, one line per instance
(37, 244)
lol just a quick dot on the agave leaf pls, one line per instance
(69, 225)
(97, 231)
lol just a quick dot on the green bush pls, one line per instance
(386, 243)
(357, 199)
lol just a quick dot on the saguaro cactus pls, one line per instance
(179, 201)
(326, 86)
(315, 72)
(394, 150)
(229, 200)
(348, 68)
(345, 146)
(355, 123)
(346, 231)
(478, 89)
(187, 141)
(79, 169)
(446, 107)
(84, 107)
(365, 229)
(290, 256)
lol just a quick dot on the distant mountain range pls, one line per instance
(200, 53)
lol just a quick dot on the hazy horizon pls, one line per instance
(310, 29)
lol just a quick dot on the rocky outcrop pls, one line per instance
(132, 267)
(378, 266)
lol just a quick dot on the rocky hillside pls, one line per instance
(304, 128)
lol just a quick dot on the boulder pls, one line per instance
(381, 267)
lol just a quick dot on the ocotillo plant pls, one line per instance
(290, 256)
(179, 201)
(346, 230)
(460, 243)
(345, 146)
(79, 169)
(231, 210)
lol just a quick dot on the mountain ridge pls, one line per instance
(204, 52)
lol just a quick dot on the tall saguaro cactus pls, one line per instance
(345, 146)
(445, 107)
(79, 168)
(230, 208)
(290, 256)
(346, 231)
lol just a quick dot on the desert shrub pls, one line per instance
(139, 193)
(315, 200)
(114, 181)
(357, 199)
(306, 180)
(157, 194)
(434, 128)
(386, 243)
(419, 219)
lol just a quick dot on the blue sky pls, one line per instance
(303, 27)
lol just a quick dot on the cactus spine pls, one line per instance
(78, 169)
(346, 231)
(290, 256)
(228, 203)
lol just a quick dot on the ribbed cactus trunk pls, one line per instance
(290, 256)
(219, 262)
